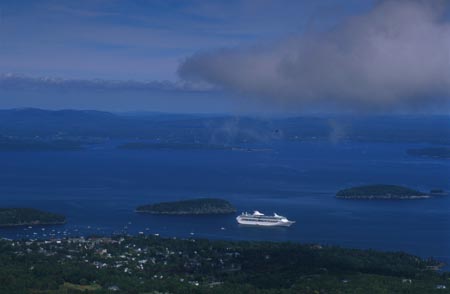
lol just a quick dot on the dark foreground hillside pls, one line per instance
(157, 265)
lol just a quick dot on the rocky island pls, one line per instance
(198, 206)
(380, 192)
(10, 217)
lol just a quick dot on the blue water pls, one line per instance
(98, 189)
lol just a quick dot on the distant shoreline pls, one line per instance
(381, 192)
(32, 224)
(393, 197)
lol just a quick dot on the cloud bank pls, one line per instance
(18, 91)
(396, 56)
(10, 81)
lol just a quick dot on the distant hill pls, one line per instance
(37, 122)
(219, 129)
(167, 128)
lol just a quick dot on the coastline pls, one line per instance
(182, 212)
(386, 197)
(36, 223)
(226, 265)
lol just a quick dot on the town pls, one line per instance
(152, 264)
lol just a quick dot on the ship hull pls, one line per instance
(265, 224)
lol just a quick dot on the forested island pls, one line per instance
(28, 216)
(149, 264)
(434, 152)
(198, 206)
(380, 192)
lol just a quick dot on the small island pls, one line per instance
(380, 192)
(200, 206)
(10, 217)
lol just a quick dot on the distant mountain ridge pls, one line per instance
(220, 129)
(380, 191)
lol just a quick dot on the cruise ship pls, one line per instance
(259, 219)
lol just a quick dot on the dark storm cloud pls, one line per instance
(396, 56)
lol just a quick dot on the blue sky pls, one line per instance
(144, 40)
(60, 44)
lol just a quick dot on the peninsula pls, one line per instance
(198, 206)
(380, 192)
(10, 217)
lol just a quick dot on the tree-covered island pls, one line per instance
(28, 216)
(380, 192)
(198, 206)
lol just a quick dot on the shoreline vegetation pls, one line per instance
(15, 217)
(199, 206)
(381, 192)
(186, 146)
(150, 264)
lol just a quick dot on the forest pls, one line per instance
(150, 264)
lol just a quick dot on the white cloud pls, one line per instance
(20, 82)
(396, 56)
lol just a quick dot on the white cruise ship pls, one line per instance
(259, 219)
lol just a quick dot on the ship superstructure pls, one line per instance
(260, 219)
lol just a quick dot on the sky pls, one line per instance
(226, 56)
